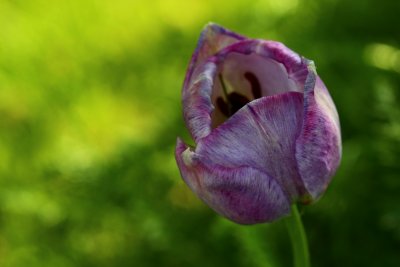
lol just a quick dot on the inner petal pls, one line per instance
(242, 78)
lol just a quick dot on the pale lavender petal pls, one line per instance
(242, 194)
(271, 75)
(318, 148)
(261, 135)
(269, 56)
(296, 65)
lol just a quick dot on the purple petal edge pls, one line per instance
(318, 147)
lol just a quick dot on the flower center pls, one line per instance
(241, 78)
(232, 102)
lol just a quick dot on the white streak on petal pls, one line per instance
(187, 157)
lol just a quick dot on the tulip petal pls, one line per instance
(213, 38)
(199, 78)
(261, 135)
(277, 68)
(242, 194)
(318, 148)
(271, 75)
(196, 102)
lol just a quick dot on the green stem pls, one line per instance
(298, 238)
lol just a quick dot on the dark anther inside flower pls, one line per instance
(266, 130)
(233, 101)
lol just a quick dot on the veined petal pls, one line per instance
(261, 135)
(318, 148)
(242, 194)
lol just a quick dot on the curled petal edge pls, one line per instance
(212, 39)
(318, 147)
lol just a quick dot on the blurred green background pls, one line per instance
(90, 111)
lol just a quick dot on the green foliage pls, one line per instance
(90, 111)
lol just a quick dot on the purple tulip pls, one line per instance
(266, 130)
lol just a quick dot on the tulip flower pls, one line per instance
(265, 128)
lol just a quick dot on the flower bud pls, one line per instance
(266, 130)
